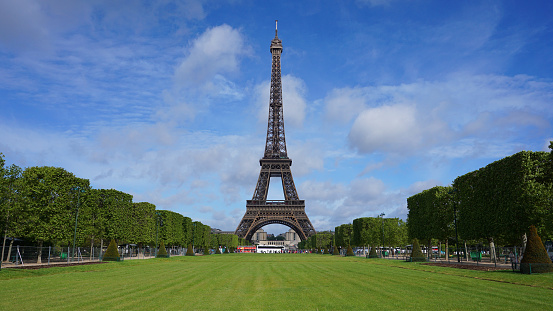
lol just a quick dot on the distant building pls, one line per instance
(291, 239)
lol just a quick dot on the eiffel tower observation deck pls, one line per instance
(275, 163)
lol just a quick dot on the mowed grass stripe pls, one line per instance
(271, 282)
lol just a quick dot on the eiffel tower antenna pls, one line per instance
(275, 163)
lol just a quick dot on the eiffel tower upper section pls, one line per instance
(275, 147)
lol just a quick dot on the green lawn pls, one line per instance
(271, 282)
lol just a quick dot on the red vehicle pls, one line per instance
(246, 249)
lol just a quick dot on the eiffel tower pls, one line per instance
(275, 163)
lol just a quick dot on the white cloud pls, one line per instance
(387, 128)
(217, 51)
(416, 117)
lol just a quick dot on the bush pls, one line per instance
(190, 250)
(335, 251)
(206, 251)
(535, 259)
(416, 254)
(111, 253)
(162, 252)
(349, 252)
(372, 253)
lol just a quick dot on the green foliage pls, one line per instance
(335, 251)
(431, 214)
(218, 251)
(162, 253)
(143, 217)
(535, 254)
(190, 250)
(111, 253)
(349, 251)
(504, 198)
(416, 253)
(343, 234)
(49, 203)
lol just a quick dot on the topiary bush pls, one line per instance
(162, 252)
(535, 259)
(206, 251)
(190, 250)
(372, 253)
(416, 254)
(349, 252)
(111, 253)
(335, 251)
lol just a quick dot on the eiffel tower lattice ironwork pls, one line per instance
(275, 163)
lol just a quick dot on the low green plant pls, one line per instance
(162, 253)
(535, 259)
(416, 253)
(111, 253)
(335, 251)
(372, 253)
(349, 252)
(190, 250)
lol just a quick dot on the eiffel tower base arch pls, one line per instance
(260, 213)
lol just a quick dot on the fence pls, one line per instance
(31, 255)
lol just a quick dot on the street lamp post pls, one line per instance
(158, 215)
(382, 216)
(79, 190)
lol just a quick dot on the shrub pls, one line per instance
(206, 251)
(349, 252)
(335, 251)
(162, 252)
(416, 254)
(190, 250)
(535, 259)
(111, 253)
(372, 253)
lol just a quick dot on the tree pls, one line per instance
(500, 201)
(431, 214)
(144, 223)
(10, 203)
(50, 204)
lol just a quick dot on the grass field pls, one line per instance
(271, 282)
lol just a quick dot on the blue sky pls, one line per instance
(168, 100)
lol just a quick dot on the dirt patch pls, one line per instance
(468, 267)
(35, 267)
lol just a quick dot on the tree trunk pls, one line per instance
(9, 250)
(493, 257)
(524, 240)
(101, 247)
(39, 256)
(429, 250)
(91, 247)
(466, 252)
(447, 249)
